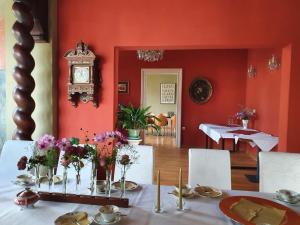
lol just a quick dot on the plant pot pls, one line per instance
(134, 133)
(245, 124)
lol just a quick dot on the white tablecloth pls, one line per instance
(204, 211)
(264, 141)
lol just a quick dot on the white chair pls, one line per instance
(140, 172)
(210, 167)
(12, 151)
(278, 170)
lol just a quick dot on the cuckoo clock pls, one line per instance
(82, 82)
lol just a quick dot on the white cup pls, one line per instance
(109, 213)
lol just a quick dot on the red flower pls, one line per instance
(125, 160)
(22, 163)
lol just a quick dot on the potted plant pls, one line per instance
(135, 119)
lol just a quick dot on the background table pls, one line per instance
(264, 142)
(204, 211)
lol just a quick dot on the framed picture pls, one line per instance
(123, 87)
(168, 93)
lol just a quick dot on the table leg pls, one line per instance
(257, 166)
(223, 144)
(206, 141)
(233, 145)
(255, 178)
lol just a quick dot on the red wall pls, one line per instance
(226, 70)
(110, 25)
(2, 50)
(263, 91)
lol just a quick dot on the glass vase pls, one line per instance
(50, 179)
(123, 181)
(108, 183)
(78, 180)
(65, 179)
(92, 177)
(37, 178)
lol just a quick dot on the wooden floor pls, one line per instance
(169, 159)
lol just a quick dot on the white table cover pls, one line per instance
(264, 141)
(204, 211)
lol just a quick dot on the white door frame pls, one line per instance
(175, 71)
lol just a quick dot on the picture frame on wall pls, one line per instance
(167, 93)
(123, 87)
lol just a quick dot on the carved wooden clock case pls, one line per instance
(82, 79)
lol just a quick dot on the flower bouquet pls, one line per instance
(74, 154)
(127, 156)
(107, 145)
(245, 114)
(45, 154)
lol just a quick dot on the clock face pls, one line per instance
(81, 74)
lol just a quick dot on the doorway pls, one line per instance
(162, 90)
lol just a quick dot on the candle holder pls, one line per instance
(158, 209)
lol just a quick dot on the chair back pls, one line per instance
(210, 167)
(279, 170)
(140, 172)
(163, 120)
(12, 151)
(173, 121)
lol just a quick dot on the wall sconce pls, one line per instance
(273, 63)
(251, 71)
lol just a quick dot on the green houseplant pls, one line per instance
(135, 119)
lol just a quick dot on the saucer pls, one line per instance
(99, 220)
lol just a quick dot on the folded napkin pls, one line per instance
(257, 213)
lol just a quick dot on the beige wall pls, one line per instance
(44, 75)
(152, 92)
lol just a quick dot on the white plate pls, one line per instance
(99, 220)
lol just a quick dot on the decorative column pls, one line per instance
(22, 72)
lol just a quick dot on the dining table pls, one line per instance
(198, 210)
(263, 141)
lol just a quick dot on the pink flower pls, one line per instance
(65, 161)
(63, 143)
(45, 142)
(102, 162)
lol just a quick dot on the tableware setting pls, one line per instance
(26, 198)
(250, 210)
(108, 214)
(24, 180)
(57, 179)
(129, 186)
(287, 196)
(187, 191)
(208, 191)
(74, 218)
